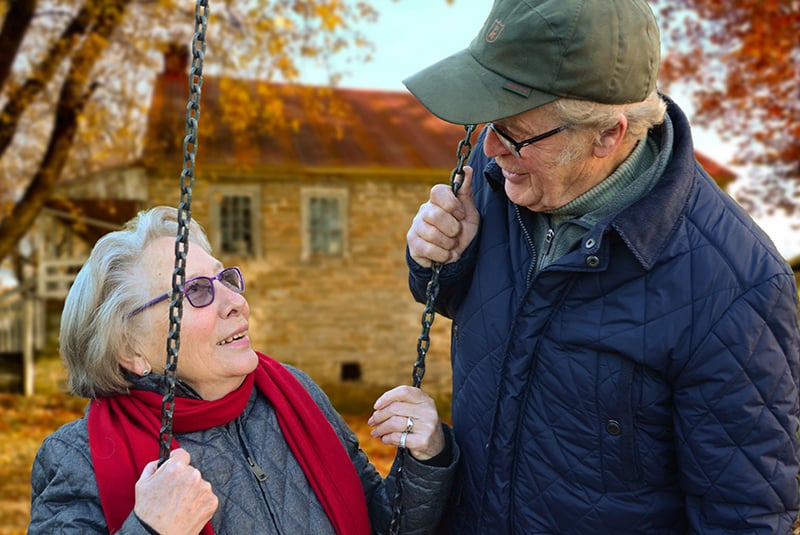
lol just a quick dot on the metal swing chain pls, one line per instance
(184, 216)
(432, 289)
(424, 340)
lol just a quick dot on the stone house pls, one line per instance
(315, 215)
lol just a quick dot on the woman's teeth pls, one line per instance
(232, 339)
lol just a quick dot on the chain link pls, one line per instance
(184, 217)
(432, 289)
(424, 340)
(182, 246)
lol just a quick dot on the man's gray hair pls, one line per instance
(642, 116)
(585, 115)
(95, 327)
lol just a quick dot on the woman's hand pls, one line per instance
(174, 499)
(403, 407)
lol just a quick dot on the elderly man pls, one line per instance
(624, 337)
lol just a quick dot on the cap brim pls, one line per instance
(460, 90)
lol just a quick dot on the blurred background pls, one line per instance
(312, 159)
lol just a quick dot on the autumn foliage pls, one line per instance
(741, 59)
(75, 77)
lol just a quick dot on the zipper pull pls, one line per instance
(260, 474)
(548, 239)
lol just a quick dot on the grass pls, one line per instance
(25, 422)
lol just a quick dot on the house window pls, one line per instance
(236, 220)
(324, 213)
(351, 371)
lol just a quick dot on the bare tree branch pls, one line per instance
(18, 19)
(20, 97)
(74, 95)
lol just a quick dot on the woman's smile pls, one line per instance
(235, 338)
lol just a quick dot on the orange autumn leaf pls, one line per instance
(741, 58)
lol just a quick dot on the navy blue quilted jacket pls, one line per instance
(646, 382)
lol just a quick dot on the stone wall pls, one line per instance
(334, 315)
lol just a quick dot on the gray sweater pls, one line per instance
(65, 496)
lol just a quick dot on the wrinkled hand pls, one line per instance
(174, 499)
(445, 225)
(392, 410)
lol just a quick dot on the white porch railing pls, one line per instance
(56, 276)
(19, 335)
(11, 322)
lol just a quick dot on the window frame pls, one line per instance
(216, 195)
(316, 192)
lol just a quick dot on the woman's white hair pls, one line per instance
(95, 327)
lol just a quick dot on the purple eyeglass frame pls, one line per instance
(218, 277)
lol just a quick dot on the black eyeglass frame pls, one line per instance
(219, 277)
(514, 146)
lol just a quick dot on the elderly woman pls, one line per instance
(258, 447)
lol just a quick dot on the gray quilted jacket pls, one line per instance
(65, 497)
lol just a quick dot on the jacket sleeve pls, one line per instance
(736, 412)
(454, 279)
(426, 487)
(426, 491)
(64, 497)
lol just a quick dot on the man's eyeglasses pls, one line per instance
(199, 291)
(515, 146)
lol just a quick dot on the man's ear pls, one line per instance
(611, 139)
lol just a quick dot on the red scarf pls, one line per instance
(124, 430)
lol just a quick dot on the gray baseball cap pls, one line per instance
(531, 52)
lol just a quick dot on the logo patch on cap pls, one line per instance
(521, 90)
(495, 30)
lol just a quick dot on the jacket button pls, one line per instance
(592, 261)
(613, 427)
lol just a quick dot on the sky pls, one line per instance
(412, 34)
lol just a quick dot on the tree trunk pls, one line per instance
(74, 95)
(18, 19)
(21, 96)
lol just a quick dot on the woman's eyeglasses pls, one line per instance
(199, 291)
(515, 146)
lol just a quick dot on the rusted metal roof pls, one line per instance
(325, 128)
(721, 174)
(350, 128)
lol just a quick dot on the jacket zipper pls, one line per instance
(257, 471)
(529, 240)
(260, 474)
(548, 239)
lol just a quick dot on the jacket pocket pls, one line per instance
(619, 453)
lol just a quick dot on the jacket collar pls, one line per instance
(647, 224)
